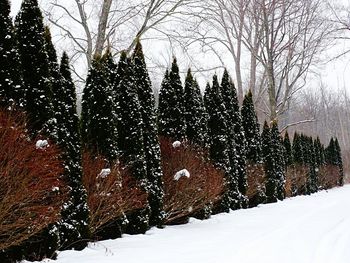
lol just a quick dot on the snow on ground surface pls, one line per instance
(305, 229)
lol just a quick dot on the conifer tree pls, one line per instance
(11, 88)
(251, 129)
(274, 166)
(98, 117)
(150, 137)
(195, 116)
(235, 134)
(74, 227)
(288, 156)
(171, 119)
(339, 161)
(297, 149)
(319, 152)
(131, 137)
(312, 182)
(35, 64)
(219, 143)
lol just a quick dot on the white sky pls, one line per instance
(335, 74)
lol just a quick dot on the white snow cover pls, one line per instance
(176, 144)
(304, 229)
(104, 173)
(41, 144)
(179, 174)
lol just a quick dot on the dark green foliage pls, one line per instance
(297, 149)
(171, 119)
(333, 157)
(219, 144)
(150, 137)
(131, 137)
(288, 155)
(98, 117)
(195, 115)
(312, 181)
(35, 63)
(274, 165)
(235, 133)
(11, 88)
(251, 129)
(73, 227)
(319, 152)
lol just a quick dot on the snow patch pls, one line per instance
(104, 173)
(176, 144)
(41, 144)
(182, 173)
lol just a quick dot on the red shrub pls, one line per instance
(111, 193)
(256, 181)
(328, 176)
(31, 190)
(296, 180)
(188, 195)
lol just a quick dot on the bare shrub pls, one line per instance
(296, 180)
(31, 190)
(256, 184)
(112, 192)
(328, 176)
(191, 181)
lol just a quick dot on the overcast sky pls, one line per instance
(334, 73)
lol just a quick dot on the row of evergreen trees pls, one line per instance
(119, 121)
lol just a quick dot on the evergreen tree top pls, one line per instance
(216, 85)
(138, 52)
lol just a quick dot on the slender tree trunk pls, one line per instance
(102, 26)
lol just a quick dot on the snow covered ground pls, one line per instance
(305, 229)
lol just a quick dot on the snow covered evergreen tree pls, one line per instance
(312, 180)
(339, 161)
(35, 64)
(219, 144)
(131, 137)
(74, 227)
(288, 155)
(251, 129)
(171, 119)
(274, 166)
(297, 149)
(150, 137)
(11, 88)
(319, 152)
(236, 137)
(195, 115)
(98, 117)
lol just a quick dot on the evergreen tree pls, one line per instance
(251, 129)
(219, 144)
(312, 181)
(98, 117)
(235, 134)
(74, 228)
(339, 161)
(297, 149)
(195, 116)
(319, 152)
(150, 137)
(11, 88)
(171, 119)
(331, 156)
(274, 166)
(288, 156)
(35, 63)
(131, 137)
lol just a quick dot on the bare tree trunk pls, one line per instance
(102, 26)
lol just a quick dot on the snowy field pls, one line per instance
(305, 229)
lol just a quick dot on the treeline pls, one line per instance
(127, 166)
